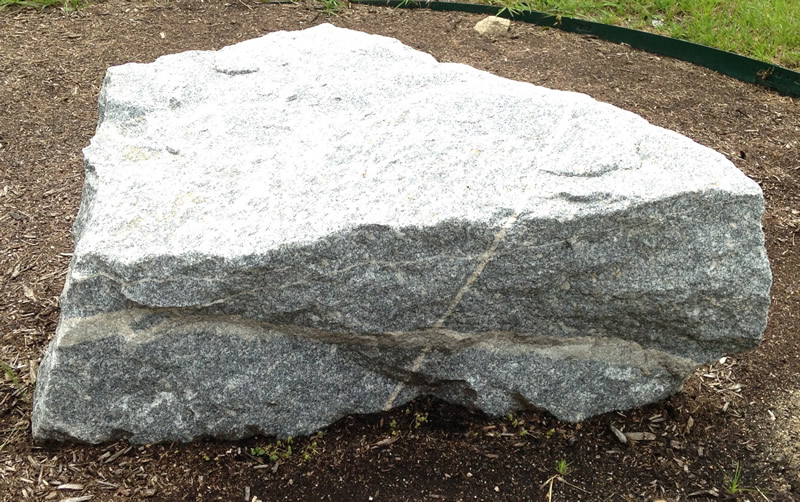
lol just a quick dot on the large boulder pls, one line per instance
(319, 223)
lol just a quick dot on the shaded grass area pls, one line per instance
(768, 30)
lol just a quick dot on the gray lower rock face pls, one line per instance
(319, 223)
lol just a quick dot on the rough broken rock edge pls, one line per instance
(320, 223)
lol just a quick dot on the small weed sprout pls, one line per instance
(281, 449)
(735, 486)
(549, 433)
(393, 427)
(735, 483)
(420, 419)
(562, 467)
(310, 451)
(518, 424)
(513, 420)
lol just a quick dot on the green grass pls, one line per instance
(768, 30)
(68, 5)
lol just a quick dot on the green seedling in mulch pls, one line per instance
(281, 449)
(735, 482)
(562, 469)
(393, 427)
(735, 487)
(419, 419)
(517, 424)
(513, 420)
(549, 433)
(310, 451)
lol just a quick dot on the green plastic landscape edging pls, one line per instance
(739, 67)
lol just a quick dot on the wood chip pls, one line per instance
(712, 492)
(28, 292)
(622, 438)
(118, 454)
(82, 498)
(33, 372)
(70, 486)
(689, 424)
(386, 442)
(640, 436)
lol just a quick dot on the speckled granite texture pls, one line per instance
(318, 223)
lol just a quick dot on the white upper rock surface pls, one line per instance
(314, 139)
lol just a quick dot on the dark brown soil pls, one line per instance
(743, 411)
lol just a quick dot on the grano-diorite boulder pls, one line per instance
(319, 223)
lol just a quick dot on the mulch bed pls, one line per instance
(741, 411)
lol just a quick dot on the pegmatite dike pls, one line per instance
(318, 223)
